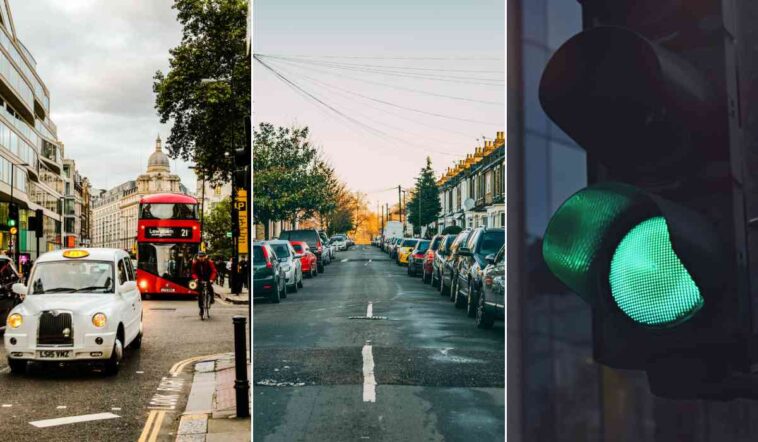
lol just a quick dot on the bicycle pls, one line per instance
(204, 299)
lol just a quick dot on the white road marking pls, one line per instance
(370, 310)
(116, 409)
(369, 383)
(5, 370)
(344, 260)
(7, 405)
(140, 372)
(60, 407)
(73, 420)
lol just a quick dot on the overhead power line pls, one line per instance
(411, 68)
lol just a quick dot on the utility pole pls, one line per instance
(400, 203)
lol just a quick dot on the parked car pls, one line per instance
(481, 243)
(8, 299)
(328, 248)
(393, 247)
(268, 277)
(404, 250)
(439, 260)
(449, 274)
(81, 305)
(491, 302)
(416, 258)
(312, 238)
(291, 266)
(340, 241)
(307, 259)
(427, 269)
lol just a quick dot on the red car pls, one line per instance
(426, 268)
(308, 260)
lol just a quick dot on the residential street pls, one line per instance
(173, 333)
(317, 357)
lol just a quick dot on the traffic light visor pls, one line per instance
(648, 281)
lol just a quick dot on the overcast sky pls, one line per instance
(97, 59)
(432, 44)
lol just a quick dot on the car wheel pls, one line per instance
(472, 302)
(435, 281)
(300, 283)
(320, 267)
(443, 287)
(17, 366)
(114, 363)
(460, 301)
(426, 277)
(284, 290)
(453, 289)
(292, 288)
(483, 319)
(274, 297)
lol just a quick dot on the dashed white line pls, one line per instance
(369, 382)
(344, 260)
(115, 408)
(73, 420)
(60, 407)
(5, 370)
(7, 405)
(370, 310)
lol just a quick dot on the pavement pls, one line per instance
(210, 413)
(146, 398)
(226, 295)
(366, 352)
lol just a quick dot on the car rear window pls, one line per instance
(422, 246)
(258, 255)
(308, 236)
(491, 242)
(435, 244)
(281, 250)
(298, 248)
(409, 243)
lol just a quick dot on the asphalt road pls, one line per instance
(438, 377)
(173, 332)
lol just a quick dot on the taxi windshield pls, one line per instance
(72, 276)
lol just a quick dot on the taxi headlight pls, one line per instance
(99, 320)
(15, 320)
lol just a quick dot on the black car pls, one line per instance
(481, 243)
(449, 275)
(268, 278)
(491, 302)
(312, 238)
(440, 255)
(8, 299)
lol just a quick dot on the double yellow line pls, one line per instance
(155, 418)
(152, 436)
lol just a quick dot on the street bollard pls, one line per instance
(241, 383)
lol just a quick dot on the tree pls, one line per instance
(208, 118)
(290, 178)
(215, 226)
(452, 230)
(424, 206)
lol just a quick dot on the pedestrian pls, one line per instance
(229, 272)
(245, 272)
(220, 265)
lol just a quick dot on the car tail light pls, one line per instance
(318, 246)
(269, 265)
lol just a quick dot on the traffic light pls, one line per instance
(242, 168)
(12, 215)
(658, 244)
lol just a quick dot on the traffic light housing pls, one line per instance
(12, 215)
(657, 244)
(242, 168)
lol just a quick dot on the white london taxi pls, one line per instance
(80, 305)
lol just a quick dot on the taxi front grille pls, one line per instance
(55, 329)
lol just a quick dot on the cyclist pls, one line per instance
(203, 270)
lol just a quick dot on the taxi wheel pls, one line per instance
(472, 301)
(114, 363)
(483, 319)
(300, 283)
(17, 366)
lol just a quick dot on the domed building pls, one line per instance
(114, 211)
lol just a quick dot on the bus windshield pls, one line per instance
(169, 211)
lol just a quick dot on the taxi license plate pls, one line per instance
(54, 354)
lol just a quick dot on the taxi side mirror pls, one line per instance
(19, 289)
(490, 258)
(128, 286)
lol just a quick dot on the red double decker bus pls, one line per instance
(168, 238)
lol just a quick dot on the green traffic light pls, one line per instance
(11, 222)
(648, 280)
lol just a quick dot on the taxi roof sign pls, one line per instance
(75, 253)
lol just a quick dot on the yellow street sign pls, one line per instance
(241, 205)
